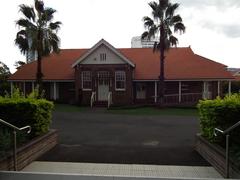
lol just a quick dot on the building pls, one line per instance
(104, 74)
(137, 42)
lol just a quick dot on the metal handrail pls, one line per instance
(15, 139)
(93, 98)
(226, 132)
(109, 99)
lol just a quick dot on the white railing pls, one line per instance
(93, 98)
(109, 99)
(15, 129)
(185, 97)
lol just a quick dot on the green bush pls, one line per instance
(220, 113)
(21, 111)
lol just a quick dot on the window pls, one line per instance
(120, 80)
(103, 57)
(86, 80)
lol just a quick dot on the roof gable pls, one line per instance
(113, 56)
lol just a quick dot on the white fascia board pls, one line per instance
(96, 46)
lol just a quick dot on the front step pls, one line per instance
(127, 170)
(52, 176)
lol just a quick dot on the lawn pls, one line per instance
(133, 111)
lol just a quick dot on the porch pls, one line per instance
(178, 92)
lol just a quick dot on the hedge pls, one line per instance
(220, 113)
(27, 111)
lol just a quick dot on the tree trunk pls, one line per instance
(161, 77)
(39, 74)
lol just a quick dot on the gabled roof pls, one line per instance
(180, 64)
(54, 67)
(103, 42)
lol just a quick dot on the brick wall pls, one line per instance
(119, 97)
(30, 151)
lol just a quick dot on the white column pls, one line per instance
(155, 96)
(54, 91)
(24, 89)
(179, 91)
(11, 88)
(33, 86)
(218, 91)
(229, 87)
(204, 90)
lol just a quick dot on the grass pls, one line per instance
(133, 111)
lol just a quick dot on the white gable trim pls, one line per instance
(103, 42)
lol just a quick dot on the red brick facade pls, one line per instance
(118, 97)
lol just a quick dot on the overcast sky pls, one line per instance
(213, 26)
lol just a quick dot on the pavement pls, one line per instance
(123, 170)
(99, 137)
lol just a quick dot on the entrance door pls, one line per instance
(141, 91)
(103, 85)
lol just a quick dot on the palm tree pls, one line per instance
(37, 33)
(164, 20)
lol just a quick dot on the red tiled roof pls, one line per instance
(237, 78)
(180, 64)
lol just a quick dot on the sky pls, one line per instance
(212, 26)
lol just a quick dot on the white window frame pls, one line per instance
(123, 74)
(83, 79)
(103, 56)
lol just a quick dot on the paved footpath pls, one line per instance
(127, 170)
(98, 137)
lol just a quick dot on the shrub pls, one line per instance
(220, 113)
(21, 111)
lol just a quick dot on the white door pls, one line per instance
(103, 86)
(141, 91)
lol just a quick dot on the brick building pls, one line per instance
(125, 76)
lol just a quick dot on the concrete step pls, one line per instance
(52, 176)
(126, 170)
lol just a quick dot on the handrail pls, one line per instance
(16, 128)
(109, 99)
(15, 139)
(226, 132)
(93, 98)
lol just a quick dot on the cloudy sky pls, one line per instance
(213, 26)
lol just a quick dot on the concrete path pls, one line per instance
(99, 137)
(129, 170)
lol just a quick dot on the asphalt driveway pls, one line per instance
(99, 137)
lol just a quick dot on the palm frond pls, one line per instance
(48, 14)
(28, 12)
(156, 46)
(153, 5)
(175, 19)
(144, 35)
(22, 43)
(22, 33)
(148, 22)
(39, 6)
(170, 10)
(55, 25)
(173, 40)
(179, 27)
(152, 31)
(25, 23)
(163, 4)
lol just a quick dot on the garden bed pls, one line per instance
(30, 151)
(215, 155)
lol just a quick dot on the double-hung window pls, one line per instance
(120, 80)
(86, 80)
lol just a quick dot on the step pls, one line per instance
(10, 175)
(126, 170)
